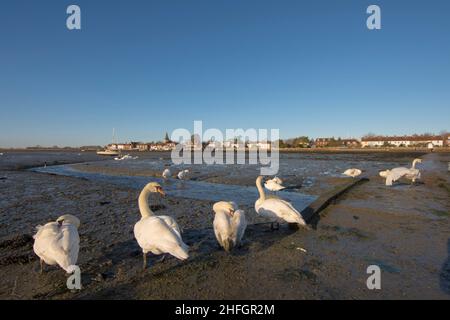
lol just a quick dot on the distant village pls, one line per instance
(369, 141)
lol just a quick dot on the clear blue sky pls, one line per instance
(146, 67)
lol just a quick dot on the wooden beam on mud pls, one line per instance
(313, 210)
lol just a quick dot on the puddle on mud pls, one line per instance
(198, 190)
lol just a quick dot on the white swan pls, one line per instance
(157, 234)
(395, 174)
(229, 224)
(274, 207)
(352, 172)
(278, 180)
(183, 174)
(384, 173)
(166, 174)
(274, 184)
(58, 243)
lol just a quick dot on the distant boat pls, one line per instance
(109, 152)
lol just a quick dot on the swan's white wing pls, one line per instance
(154, 235)
(273, 186)
(171, 223)
(277, 180)
(43, 240)
(281, 209)
(413, 174)
(222, 229)
(69, 243)
(395, 174)
(51, 228)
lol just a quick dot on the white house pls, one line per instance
(403, 141)
(259, 145)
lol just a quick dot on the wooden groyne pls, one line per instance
(312, 211)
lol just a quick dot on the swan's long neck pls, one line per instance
(143, 204)
(414, 163)
(262, 195)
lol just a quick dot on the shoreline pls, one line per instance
(281, 150)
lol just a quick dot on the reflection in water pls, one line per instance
(186, 189)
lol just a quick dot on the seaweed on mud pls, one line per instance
(16, 259)
(329, 238)
(17, 242)
(293, 274)
(20, 247)
(57, 290)
(445, 186)
(440, 213)
(354, 232)
(384, 266)
(332, 228)
(314, 263)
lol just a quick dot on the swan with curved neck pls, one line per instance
(144, 208)
(58, 243)
(416, 161)
(402, 172)
(157, 234)
(229, 224)
(276, 208)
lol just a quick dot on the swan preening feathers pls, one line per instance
(395, 174)
(229, 224)
(275, 184)
(58, 243)
(157, 234)
(352, 172)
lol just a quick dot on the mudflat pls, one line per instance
(404, 229)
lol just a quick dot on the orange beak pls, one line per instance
(160, 191)
(231, 212)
